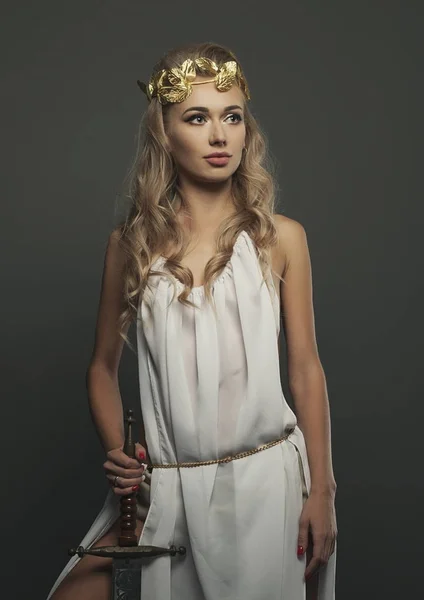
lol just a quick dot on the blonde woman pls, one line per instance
(208, 272)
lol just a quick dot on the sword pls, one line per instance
(127, 556)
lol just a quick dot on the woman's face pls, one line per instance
(207, 121)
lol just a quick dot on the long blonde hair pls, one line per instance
(151, 226)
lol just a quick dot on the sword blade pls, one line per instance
(126, 579)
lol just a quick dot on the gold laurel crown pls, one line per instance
(175, 84)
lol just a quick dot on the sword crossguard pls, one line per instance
(128, 552)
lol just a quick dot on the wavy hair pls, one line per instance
(151, 226)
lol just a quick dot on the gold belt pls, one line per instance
(219, 460)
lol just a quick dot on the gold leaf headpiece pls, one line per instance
(175, 85)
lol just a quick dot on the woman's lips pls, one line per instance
(218, 160)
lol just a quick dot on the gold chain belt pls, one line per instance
(219, 460)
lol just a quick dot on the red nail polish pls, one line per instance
(135, 488)
(300, 550)
(141, 454)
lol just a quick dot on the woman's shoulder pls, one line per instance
(115, 255)
(286, 226)
(290, 234)
(115, 236)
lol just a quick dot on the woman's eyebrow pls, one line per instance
(206, 110)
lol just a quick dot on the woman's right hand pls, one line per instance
(130, 471)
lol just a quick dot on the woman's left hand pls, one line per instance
(319, 516)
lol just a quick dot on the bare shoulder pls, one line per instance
(291, 238)
(115, 254)
(287, 228)
(115, 239)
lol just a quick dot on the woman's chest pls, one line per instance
(197, 258)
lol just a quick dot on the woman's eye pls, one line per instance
(238, 117)
(193, 117)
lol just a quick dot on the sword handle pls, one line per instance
(128, 504)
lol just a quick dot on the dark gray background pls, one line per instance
(336, 87)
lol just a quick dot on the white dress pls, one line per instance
(210, 387)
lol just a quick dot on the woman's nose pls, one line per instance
(218, 135)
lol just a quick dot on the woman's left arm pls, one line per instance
(307, 384)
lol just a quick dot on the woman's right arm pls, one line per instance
(102, 374)
(125, 474)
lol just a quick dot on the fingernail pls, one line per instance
(135, 488)
(141, 454)
(143, 477)
(300, 550)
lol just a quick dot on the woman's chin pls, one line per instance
(209, 178)
(221, 179)
(218, 175)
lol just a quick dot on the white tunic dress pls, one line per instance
(210, 387)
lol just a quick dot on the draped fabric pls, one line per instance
(210, 387)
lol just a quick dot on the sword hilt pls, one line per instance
(128, 504)
(128, 547)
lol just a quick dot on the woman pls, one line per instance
(203, 264)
